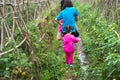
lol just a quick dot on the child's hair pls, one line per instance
(67, 3)
(68, 29)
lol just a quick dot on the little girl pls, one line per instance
(68, 41)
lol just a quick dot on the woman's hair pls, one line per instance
(68, 29)
(62, 3)
(67, 3)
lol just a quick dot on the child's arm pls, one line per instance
(75, 40)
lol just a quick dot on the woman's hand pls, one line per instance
(57, 21)
(76, 18)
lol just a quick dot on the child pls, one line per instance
(68, 15)
(68, 41)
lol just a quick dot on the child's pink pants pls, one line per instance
(69, 58)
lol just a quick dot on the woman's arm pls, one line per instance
(76, 18)
(58, 17)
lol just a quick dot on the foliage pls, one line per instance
(14, 66)
(101, 42)
(44, 61)
(50, 66)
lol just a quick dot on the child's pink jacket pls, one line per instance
(68, 43)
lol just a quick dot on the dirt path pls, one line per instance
(69, 74)
(83, 62)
